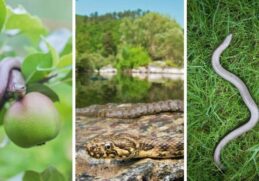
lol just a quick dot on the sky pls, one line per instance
(172, 8)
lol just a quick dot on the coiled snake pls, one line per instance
(11, 79)
(247, 98)
(125, 146)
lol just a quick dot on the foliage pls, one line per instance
(50, 174)
(2, 13)
(109, 45)
(159, 35)
(92, 32)
(21, 21)
(214, 105)
(45, 71)
(132, 57)
(91, 61)
(140, 31)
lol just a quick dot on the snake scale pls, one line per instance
(11, 79)
(247, 98)
(130, 111)
(124, 146)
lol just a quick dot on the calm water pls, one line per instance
(96, 89)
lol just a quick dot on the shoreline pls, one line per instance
(142, 70)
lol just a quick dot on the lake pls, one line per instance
(121, 88)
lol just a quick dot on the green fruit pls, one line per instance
(32, 121)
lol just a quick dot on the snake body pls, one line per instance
(124, 146)
(131, 110)
(247, 98)
(11, 79)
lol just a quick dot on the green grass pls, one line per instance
(214, 105)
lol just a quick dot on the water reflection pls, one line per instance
(154, 77)
(120, 88)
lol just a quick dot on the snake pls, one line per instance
(130, 111)
(246, 96)
(12, 82)
(126, 146)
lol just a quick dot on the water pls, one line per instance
(96, 89)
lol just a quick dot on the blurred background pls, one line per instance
(55, 14)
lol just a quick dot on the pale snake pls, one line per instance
(247, 98)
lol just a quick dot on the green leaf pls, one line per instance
(32, 176)
(2, 14)
(50, 174)
(37, 87)
(53, 53)
(65, 61)
(36, 66)
(68, 78)
(29, 25)
(68, 47)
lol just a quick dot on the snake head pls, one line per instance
(20, 89)
(100, 149)
(16, 91)
(16, 85)
(111, 147)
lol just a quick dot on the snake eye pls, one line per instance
(107, 146)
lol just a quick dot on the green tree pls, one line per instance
(132, 57)
(161, 36)
(109, 45)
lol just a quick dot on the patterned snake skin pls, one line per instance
(129, 111)
(126, 146)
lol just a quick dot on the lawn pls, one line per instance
(215, 106)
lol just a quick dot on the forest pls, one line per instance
(127, 40)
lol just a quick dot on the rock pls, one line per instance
(108, 69)
(155, 69)
(170, 70)
(139, 70)
(143, 169)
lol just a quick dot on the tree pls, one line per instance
(109, 45)
(160, 35)
(132, 57)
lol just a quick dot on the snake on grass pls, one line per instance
(11, 79)
(247, 98)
